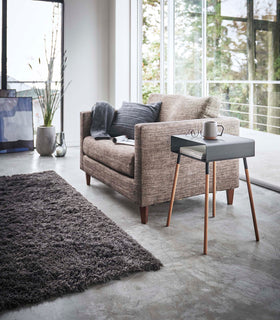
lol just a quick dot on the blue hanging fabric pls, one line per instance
(16, 124)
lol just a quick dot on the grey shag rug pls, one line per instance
(53, 241)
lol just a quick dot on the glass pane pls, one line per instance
(265, 10)
(226, 49)
(267, 60)
(31, 47)
(188, 47)
(243, 69)
(234, 98)
(29, 42)
(267, 107)
(24, 90)
(151, 48)
(234, 8)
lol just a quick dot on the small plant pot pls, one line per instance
(45, 141)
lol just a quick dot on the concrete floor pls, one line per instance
(265, 166)
(238, 279)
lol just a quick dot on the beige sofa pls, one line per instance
(144, 173)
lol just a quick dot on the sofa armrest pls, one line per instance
(85, 122)
(154, 161)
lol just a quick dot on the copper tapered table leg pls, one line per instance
(206, 208)
(173, 190)
(214, 190)
(251, 199)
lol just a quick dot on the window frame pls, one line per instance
(4, 54)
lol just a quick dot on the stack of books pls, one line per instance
(197, 152)
(123, 140)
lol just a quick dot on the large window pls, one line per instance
(226, 48)
(188, 47)
(151, 48)
(34, 30)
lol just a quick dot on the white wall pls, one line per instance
(87, 43)
(98, 44)
(112, 48)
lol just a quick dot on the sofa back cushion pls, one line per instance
(178, 107)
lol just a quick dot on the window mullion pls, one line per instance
(204, 49)
(139, 53)
(170, 49)
(162, 55)
(4, 46)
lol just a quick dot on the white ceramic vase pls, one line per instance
(45, 141)
(61, 148)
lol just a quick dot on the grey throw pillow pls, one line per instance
(132, 113)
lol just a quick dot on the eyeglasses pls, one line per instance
(194, 133)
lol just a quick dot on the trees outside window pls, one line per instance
(226, 48)
(150, 48)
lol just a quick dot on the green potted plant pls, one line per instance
(49, 98)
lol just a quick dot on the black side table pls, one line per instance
(223, 148)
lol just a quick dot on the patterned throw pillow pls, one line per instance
(130, 114)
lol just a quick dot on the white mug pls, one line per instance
(210, 130)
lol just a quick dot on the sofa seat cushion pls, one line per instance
(115, 156)
(179, 107)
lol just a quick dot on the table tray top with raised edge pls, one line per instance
(223, 148)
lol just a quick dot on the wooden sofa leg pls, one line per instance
(230, 193)
(144, 214)
(88, 179)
